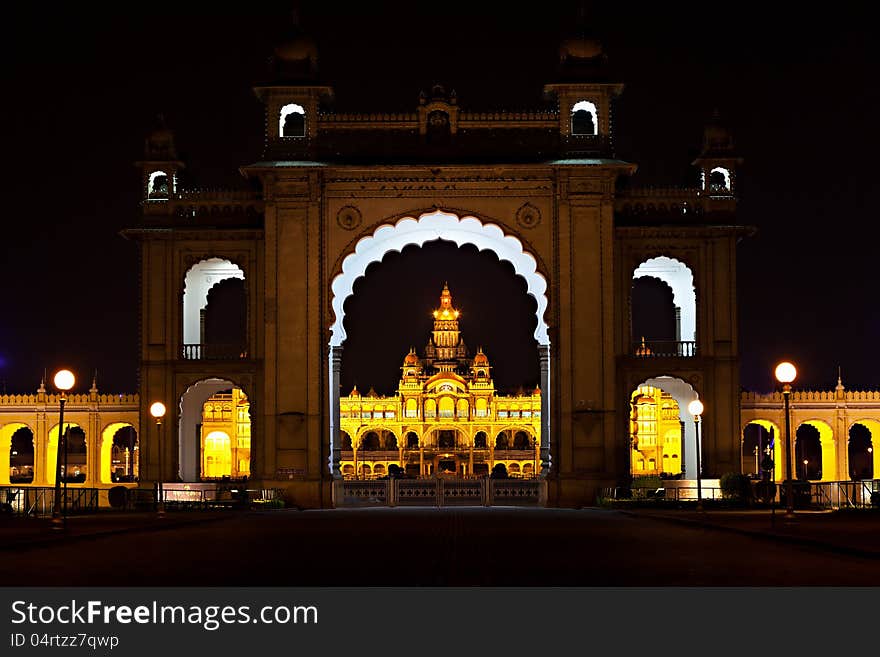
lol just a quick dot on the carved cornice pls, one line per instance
(680, 232)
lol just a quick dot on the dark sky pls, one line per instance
(796, 86)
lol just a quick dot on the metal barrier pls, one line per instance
(39, 501)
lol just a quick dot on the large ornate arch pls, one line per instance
(430, 226)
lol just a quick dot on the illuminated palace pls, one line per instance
(445, 418)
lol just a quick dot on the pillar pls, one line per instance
(335, 446)
(544, 358)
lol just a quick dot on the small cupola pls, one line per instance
(718, 160)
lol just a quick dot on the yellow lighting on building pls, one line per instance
(655, 433)
(445, 418)
(226, 436)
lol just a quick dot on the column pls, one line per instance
(41, 451)
(544, 358)
(335, 446)
(421, 460)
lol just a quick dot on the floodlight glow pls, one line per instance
(157, 410)
(64, 380)
(785, 372)
(695, 408)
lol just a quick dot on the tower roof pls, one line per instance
(446, 311)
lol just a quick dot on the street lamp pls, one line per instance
(696, 409)
(157, 410)
(64, 381)
(806, 463)
(785, 374)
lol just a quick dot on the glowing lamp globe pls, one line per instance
(157, 410)
(785, 372)
(695, 407)
(64, 380)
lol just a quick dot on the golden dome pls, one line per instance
(480, 358)
(411, 358)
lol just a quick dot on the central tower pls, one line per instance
(446, 351)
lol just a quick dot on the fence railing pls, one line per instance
(214, 352)
(39, 501)
(664, 349)
(440, 492)
(816, 494)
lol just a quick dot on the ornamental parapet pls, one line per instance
(801, 396)
(211, 206)
(684, 203)
(466, 119)
(126, 401)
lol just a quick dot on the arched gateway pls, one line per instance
(335, 192)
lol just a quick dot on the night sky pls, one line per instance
(797, 88)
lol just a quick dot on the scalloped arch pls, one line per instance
(428, 227)
(680, 278)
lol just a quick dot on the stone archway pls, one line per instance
(192, 403)
(428, 227)
(683, 393)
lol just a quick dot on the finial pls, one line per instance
(839, 379)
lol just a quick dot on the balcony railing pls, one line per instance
(214, 352)
(664, 349)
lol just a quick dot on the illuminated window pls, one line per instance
(584, 118)
(502, 413)
(292, 121)
(217, 455)
(157, 185)
(719, 180)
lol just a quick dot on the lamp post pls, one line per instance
(157, 410)
(696, 409)
(64, 381)
(785, 374)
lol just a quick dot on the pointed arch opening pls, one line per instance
(418, 232)
(677, 330)
(17, 443)
(662, 430)
(584, 118)
(228, 315)
(862, 452)
(209, 408)
(813, 452)
(120, 454)
(759, 443)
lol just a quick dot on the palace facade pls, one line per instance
(335, 190)
(446, 418)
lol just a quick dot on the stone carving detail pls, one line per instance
(528, 216)
(348, 217)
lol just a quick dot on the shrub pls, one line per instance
(736, 486)
(117, 496)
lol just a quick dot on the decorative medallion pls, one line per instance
(348, 217)
(528, 216)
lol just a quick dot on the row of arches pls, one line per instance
(386, 440)
(28, 463)
(378, 470)
(815, 450)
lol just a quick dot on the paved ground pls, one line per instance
(445, 547)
